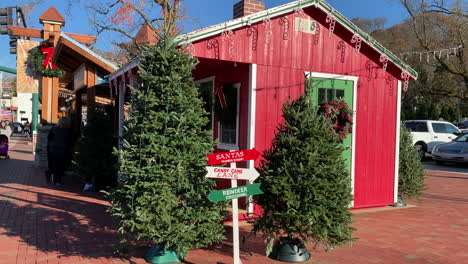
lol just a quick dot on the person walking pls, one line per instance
(58, 146)
(27, 128)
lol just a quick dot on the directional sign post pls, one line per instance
(235, 192)
(232, 173)
(233, 156)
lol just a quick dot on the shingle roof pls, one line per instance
(145, 36)
(52, 14)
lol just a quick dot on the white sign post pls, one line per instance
(235, 222)
(234, 174)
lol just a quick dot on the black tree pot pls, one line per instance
(400, 202)
(289, 250)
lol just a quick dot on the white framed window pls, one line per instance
(228, 127)
(206, 87)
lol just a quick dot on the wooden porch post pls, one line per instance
(91, 83)
(78, 109)
(46, 87)
(55, 100)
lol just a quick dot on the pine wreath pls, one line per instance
(340, 115)
(37, 58)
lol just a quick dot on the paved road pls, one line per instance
(429, 164)
(41, 223)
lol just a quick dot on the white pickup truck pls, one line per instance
(427, 134)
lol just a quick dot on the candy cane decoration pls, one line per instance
(342, 47)
(405, 77)
(370, 69)
(332, 21)
(384, 60)
(219, 92)
(356, 40)
(285, 23)
(390, 81)
(317, 34)
(213, 44)
(268, 30)
(228, 35)
(253, 32)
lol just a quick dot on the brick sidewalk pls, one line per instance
(41, 223)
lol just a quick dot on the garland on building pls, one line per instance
(41, 59)
(340, 115)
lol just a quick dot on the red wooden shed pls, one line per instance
(262, 59)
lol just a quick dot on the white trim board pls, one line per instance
(89, 51)
(210, 79)
(355, 80)
(397, 144)
(122, 70)
(252, 109)
(231, 146)
(251, 124)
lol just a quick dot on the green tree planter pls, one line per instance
(157, 255)
(289, 251)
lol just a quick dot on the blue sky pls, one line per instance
(207, 12)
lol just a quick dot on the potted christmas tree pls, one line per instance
(162, 196)
(307, 188)
(411, 173)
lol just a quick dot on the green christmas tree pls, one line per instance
(163, 193)
(411, 173)
(307, 188)
(94, 159)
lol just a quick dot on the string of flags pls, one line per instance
(434, 54)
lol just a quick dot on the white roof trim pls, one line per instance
(52, 22)
(126, 67)
(88, 50)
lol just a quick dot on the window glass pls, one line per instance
(416, 126)
(439, 128)
(451, 129)
(206, 93)
(462, 138)
(327, 95)
(228, 116)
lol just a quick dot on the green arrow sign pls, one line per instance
(234, 193)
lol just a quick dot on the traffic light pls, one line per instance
(6, 18)
(13, 43)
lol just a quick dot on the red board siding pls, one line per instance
(281, 65)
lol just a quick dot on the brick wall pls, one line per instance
(247, 7)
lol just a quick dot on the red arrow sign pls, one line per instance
(234, 156)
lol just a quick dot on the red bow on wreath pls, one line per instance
(219, 92)
(49, 52)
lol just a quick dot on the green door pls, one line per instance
(325, 90)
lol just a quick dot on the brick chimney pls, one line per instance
(247, 7)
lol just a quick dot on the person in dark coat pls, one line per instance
(58, 149)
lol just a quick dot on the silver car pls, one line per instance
(455, 151)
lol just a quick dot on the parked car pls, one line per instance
(455, 151)
(428, 133)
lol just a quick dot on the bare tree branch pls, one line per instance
(425, 44)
